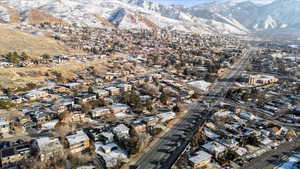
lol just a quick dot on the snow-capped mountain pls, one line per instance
(229, 16)
(255, 15)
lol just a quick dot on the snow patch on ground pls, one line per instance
(4, 15)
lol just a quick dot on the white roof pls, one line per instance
(201, 84)
(86, 167)
(3, 122)
(210, 134)
(77, 138)
(266, 141)
(166, 116)
(49, 125)
(48, 143)
(119, 106)
(241, 151)
(201, 156)
(121, 128)
(214, 147)
(111, 157)
(100, 109)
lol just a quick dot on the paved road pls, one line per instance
(274, 158)
(169, 147)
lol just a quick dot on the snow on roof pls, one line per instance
(87, 167)
(112, 153)
(100, 109)
(121, 128)
(3, 122)
(201, 84)
(166, 116)
(201, 156)
(222, 113)
(266, 141)
(241, 151)
(214, 147)
(119, 106)
(46, 143)
(210, 134)
(49, 125)
(77, 138)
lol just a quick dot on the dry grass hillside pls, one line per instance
(14, 40)
(19, 77)
(37, 17)
(14, 14)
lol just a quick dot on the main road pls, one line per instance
(164, 153)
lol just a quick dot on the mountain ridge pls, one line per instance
(239, 17)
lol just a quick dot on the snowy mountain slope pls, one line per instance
(255, 15)
(229, 16)
(124, 14)
(4, 15)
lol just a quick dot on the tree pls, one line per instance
(164, 98)
(45, 56)
(13, 57)
(91, 89)
(24, 56)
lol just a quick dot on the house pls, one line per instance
(35, 95)
(262, 79)
(214, 148)
(78, 142)
(100, 111)
(210, 134)
(201, 159)
(229, 143)
(248, 116)
(85, 97)
(139, 127)
(166, 115)
(13, 152)
(94, 133)
(48, 148)
(201, 85)
(49, 125)
(108, 155)
(78, 117)
(125, 87)
(240, 151)
(113, 91)
(101, 93)
(42, 117)
(121, 131)
(265, 141)
(118, 108)
(73, 85)
(4, 126)
(106, 137)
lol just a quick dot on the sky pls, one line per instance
(183, 2)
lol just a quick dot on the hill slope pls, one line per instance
(15, 40)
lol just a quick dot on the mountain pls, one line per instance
(123, 14)
(230, 16)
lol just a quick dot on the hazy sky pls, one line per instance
(183, 2)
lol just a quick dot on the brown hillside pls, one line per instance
(37, 17)
(148, 22)
(103, 21)
(15, 40)
(14, 17)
